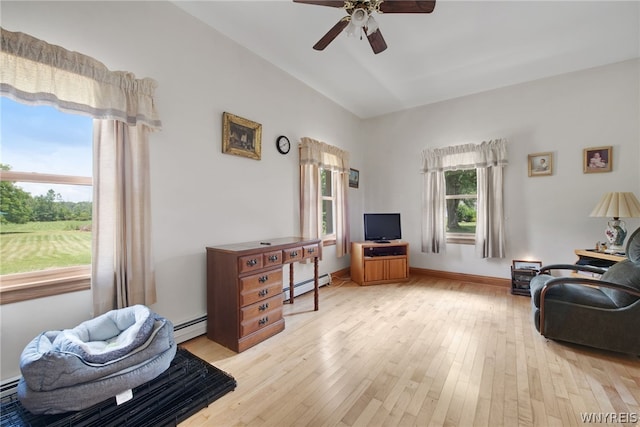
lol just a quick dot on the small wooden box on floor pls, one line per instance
(244, 288)
(375, 263)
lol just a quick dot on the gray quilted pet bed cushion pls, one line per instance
(112, 350)
(85, 395)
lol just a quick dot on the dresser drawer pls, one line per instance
(292, 254)
(250, 263)
(272, 258)
(260, 286)
(261, 308)
(251, 325)
(310, 251)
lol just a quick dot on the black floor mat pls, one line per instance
(187, 386)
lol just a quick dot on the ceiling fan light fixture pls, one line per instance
(372, 26)
(359, 17)
(351, 29)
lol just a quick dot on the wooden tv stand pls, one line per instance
(374, 263)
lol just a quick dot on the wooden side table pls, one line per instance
(595, 259)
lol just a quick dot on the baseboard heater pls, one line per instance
(196, 327)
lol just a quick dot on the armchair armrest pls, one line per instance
(573, 267)
(578, 281)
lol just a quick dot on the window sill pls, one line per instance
(461, 238)
(26, 286)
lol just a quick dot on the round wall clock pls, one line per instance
(283, 145)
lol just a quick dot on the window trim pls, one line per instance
(45, 178)
(37, 284)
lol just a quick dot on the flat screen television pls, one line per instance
(382, 227)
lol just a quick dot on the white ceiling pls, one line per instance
(463, 47)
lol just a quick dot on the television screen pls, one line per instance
(382, 226)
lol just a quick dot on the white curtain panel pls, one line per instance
(122, 261)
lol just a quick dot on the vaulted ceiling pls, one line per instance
(463, 47)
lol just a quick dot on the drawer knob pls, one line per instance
(312, 250)
(273, 258)
(263, 307)
(294, 253)
(252, 262)
(263, 292)
(263, 321)
(263, 279)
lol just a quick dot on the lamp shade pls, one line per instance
(617, 205)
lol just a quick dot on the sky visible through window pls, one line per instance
(43, 139)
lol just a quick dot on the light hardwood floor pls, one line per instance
(428, 352)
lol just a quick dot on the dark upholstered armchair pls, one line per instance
(602, 313)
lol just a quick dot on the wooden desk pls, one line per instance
(244, 288)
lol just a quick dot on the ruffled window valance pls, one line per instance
(323, 155)
(36, 72)
(467, 156)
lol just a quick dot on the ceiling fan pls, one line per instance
(360, 18)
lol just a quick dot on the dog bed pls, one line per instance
(73, 369)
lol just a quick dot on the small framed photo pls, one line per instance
(597, 159)
(526, 265)
(241, 137)
(540, 164)
(354, 178)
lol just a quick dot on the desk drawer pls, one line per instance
(261, 309)
(260, 286)
(249, 326)
(250, 263)
(311, 251)
(272, 258)
(292, 254)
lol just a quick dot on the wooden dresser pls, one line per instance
(245, 291)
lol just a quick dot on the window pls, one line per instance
(45, 201)
(328, 204)
(461, 205)
(469, 175)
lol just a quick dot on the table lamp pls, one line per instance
(617, 205)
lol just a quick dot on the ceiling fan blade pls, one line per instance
(330, 3)
(377, 41)
(331, 34)
(406, 6)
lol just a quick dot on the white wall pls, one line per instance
(547, 217)
(200, 196)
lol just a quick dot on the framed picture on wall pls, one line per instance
(354, 178)
(540, 164)
(241, 137)
(597, 159)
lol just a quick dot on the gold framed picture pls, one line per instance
(540, 164)
(597, 159)
(241, 137)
